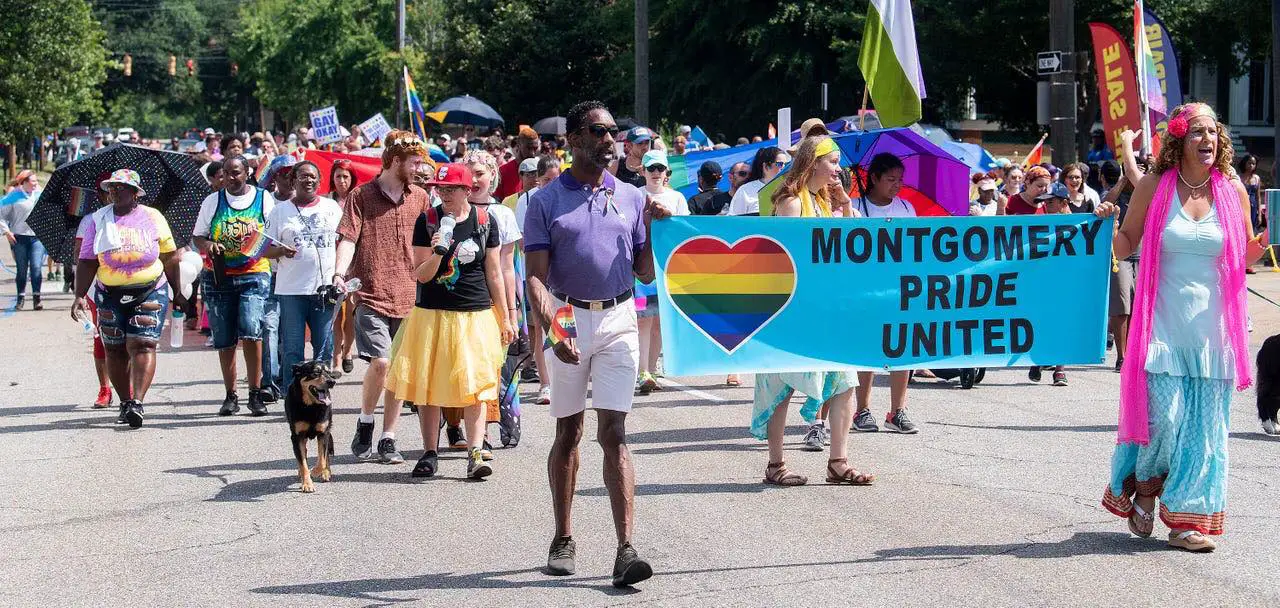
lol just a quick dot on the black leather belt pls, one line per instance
(596, 305)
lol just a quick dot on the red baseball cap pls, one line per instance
(453, 174)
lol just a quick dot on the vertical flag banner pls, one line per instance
(417, 115)
(81, 201)
(324, 125)
(1117, 83)
(890, 62)
(1165, 60)
(1036, 155)
(1148, 86)
(700, 136)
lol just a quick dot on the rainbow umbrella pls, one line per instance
(935, 183)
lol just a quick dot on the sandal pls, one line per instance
(849, 476)
(777, 474)
(1191, 540)
(1141, 523)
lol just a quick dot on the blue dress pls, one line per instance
(1190, 375)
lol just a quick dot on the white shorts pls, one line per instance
(608, 360)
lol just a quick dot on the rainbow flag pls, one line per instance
(730, 292)
(81, 201)
(255, 244)
(417, 115)
(563, 327)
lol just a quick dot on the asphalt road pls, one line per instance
(994, 503)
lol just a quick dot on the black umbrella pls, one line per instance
(173, 183)
(551, 125)
(467, 110)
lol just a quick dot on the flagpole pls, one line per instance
(862, 114)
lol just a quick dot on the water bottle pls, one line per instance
(447, 224)
(175, 330)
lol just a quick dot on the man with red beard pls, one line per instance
(377, 247)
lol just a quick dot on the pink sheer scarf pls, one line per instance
(1133, 379)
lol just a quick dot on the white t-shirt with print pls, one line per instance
(671, 200)
(896, 208)
(747, 198)
(313, 232)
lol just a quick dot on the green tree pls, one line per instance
(51, 65)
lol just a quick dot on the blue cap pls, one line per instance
(654, 157)
(638, 135)
(1056, 190)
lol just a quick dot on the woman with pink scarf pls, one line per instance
(1187, 342)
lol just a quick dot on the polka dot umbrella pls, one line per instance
(173, 183)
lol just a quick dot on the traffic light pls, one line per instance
(191, 67)
(128, 65)
(173, 65)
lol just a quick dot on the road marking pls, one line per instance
(692, 391)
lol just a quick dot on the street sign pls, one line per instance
(1048, 63)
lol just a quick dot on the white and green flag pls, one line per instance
(890, 63)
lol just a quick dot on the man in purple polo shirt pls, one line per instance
(586, 241)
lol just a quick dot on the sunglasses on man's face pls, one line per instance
(656, 169)
(742, 173)
(599, 130)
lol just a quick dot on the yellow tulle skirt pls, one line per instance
(447, 359)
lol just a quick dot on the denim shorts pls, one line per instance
(236, 307)
(142, 320)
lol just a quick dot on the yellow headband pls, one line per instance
(825, 147)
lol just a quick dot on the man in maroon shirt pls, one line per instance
(377, 248)
(527, 146)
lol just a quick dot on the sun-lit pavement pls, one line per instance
(995, 503)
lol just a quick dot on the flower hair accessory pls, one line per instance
(1181, 122)
(1178, 126)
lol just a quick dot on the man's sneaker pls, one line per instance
(1033, 374)
(1111, 341)
(1059, 378)
(826, 435)
(560, 560)
(529, 374)
(362, 444)
(256, 406)
(544, 396)
(120, 419)
(427, 465)
(486, 452)
(1270, 427)
(647, 384)
(230, 405)
(629, 569)
(133, 413)
(477, 468)
(457, 440)
(899, 423)
(104, 398)
(864, 422)
(1119, 364)
(270, 394)
(387, 452)
(813, 438)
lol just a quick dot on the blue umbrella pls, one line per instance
(467, 110)
(972, 155)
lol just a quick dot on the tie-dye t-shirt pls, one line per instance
(144, 235)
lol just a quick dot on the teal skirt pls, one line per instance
(1185, 464)
(773, 390)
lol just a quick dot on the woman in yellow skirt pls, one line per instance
(448, 352)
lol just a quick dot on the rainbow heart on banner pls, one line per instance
(730, 292)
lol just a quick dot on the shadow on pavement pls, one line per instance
(676, 489)
(106, 421)
(704, 447)
(373, 589)
(701, 434)
(1255, 437)
(1079, 545)
(1088, 428)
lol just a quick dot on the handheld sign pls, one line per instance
(375, 128)
(325, 127)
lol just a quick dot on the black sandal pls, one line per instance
(427, 465)
(850, 476)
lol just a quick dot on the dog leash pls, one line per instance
(1273, 302)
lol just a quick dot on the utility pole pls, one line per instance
(642, 62)
(1275, 73)
(1062, 85)
(399, 77)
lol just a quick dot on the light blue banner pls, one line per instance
(765, 294)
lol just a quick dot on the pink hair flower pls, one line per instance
(1179, 125)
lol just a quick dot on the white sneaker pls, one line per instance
(544, 396)
(1270, 427)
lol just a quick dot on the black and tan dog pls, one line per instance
(308, 408)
